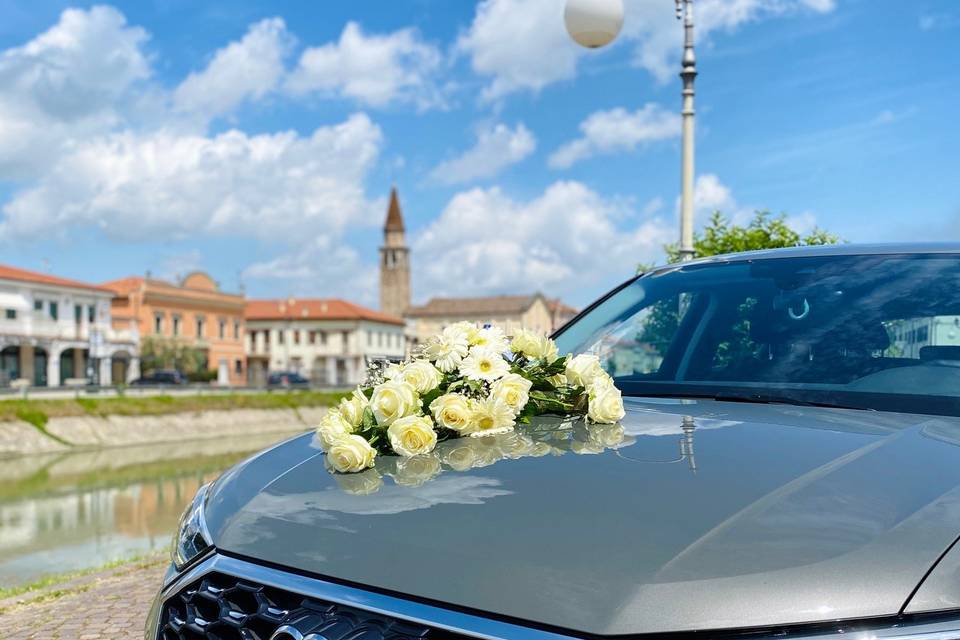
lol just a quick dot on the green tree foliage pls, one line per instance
(764, 231)
(167, 353)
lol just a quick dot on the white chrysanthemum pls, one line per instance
(484, 364)
(447, 349)
(513, 389)
(490, 417)
(492, 338)
(467, 329)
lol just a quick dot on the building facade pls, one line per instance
(55, 331)
(193, 312)
(512, 312)
(531, 312)
(394, 262)
(328, 341)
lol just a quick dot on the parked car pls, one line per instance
(789, 466)
(162, 377)
(287, 379)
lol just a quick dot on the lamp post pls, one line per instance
(595, 23)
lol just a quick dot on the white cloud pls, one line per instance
(372, 69)
(653, 25)
(567, 240)
(522, 45)
(519, 45)
(162, 185)
(323, 266)
(615, 130)
(497, 147)
(247, 68)
(709, 195)
(68, 81)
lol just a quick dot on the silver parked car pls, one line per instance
(789, 466)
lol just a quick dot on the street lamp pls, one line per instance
(595, 23)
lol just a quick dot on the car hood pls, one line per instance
(694, 515)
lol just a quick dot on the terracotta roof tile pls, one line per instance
(490, 305)
(314, 309)
(22, 275)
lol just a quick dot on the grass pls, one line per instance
(39, 412)
(41, 590)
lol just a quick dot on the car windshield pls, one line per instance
(868, 332)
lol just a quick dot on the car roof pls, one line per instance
(893, 248)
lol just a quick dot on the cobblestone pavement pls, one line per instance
(110, 605)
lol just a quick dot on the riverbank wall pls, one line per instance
(77, 433)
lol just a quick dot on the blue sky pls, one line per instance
(259, 141)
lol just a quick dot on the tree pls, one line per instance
(764, 231)
(170, 353)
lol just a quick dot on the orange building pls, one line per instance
(194, 311)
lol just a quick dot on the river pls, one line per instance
(72, 511)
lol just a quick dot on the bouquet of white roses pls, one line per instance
(466, 381)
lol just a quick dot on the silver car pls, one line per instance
(789, 466)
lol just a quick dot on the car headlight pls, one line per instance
(192, 537)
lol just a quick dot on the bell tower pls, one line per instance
(394, 262)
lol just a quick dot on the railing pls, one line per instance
(47, 328)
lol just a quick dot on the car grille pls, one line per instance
(223, 607)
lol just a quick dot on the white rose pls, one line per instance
(392, 371)
(350, 454)
(534, 345)
(452, 411)
(351, 408)
(513, 390)
(392, 400)
(559, 380)
(413, 472)
(333, 426)
(605, 405)
(421, 375)
(359, 484)
(583, 369)
(525, 342)
(484, 364)
(412, 436)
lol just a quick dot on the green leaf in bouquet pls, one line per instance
(429, 397)
(368, 421)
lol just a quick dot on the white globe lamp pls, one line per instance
(593, 23)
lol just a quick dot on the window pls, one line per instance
(296, 336)
(77, 313)
(176, 325)
(222, 329)
(369, 338)
(10, 314)
(200, 322)
(280, 336)
(312, 337)
(38, 305)
(54, 310)
(323, 337)
(238, 366)
(158, 323)
(346, 341)
(236, 330)
(91, 313)
(380, 338)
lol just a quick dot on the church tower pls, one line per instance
(394, 262)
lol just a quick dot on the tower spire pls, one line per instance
(394, 215)
(394, 261)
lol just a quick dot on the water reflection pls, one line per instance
(73, 511)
